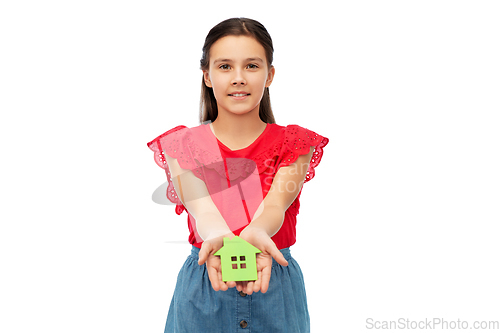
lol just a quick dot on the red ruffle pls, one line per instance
(158, 147)
(298, 141)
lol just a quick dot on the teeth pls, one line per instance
(239, 95)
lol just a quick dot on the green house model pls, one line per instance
(238, 261)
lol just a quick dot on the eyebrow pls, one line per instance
(229, 60)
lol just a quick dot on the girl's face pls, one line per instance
(238, 74)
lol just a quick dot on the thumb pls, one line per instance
(278, 256)
(203, 254)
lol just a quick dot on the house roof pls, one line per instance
(236, 244)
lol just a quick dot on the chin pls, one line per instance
(240, 111)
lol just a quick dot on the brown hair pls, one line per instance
(235, 27)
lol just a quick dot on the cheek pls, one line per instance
(263, 77)
(259, 82)
(218, 85)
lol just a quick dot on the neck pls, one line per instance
(238, 127)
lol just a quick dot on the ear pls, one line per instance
(270, 76)
(206, 77)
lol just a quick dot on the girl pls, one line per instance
(238, 173)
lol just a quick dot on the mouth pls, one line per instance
(239, 94)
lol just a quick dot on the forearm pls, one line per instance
(271, 212)
(269, 217)
(211, 225)
(209, 221)
(194, 195)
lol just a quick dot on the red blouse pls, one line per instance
(238, 180)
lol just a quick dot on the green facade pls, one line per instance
(238, 260)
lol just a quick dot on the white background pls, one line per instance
(401, 221)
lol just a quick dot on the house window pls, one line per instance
(241, 262)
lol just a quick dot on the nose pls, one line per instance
(238, 79)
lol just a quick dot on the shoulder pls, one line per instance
(298, 141)
(290, 128)
(156, 143)
(191, 146)
(282, 131)
(179, 134)
(294, 135)
(289, 141)
(291, 137)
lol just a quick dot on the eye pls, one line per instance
(224, 66)
(252, 66)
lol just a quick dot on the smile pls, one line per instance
(239, 95)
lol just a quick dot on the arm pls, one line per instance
(210, 224)
(194, 195)
(269, 217)
(285, 187)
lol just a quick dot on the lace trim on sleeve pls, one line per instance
(157, 146)
(298, 141)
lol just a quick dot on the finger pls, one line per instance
(278, 256)
(257, 283)
(203, 254)
(266, 276)
(202, 258)
(222, 284)
(231, 284)
(212, 275)
(244, 286)
(249, 290)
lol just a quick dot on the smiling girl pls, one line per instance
(238, 174)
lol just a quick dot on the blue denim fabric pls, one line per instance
(197, 308)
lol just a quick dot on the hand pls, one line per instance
(261, 240)
(213, 263)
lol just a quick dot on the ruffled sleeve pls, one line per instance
(171, 143)
(298, 141)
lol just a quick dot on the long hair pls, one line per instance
(235, 27)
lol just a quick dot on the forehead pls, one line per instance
(237, 48)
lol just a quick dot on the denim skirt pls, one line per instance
(197, 308)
